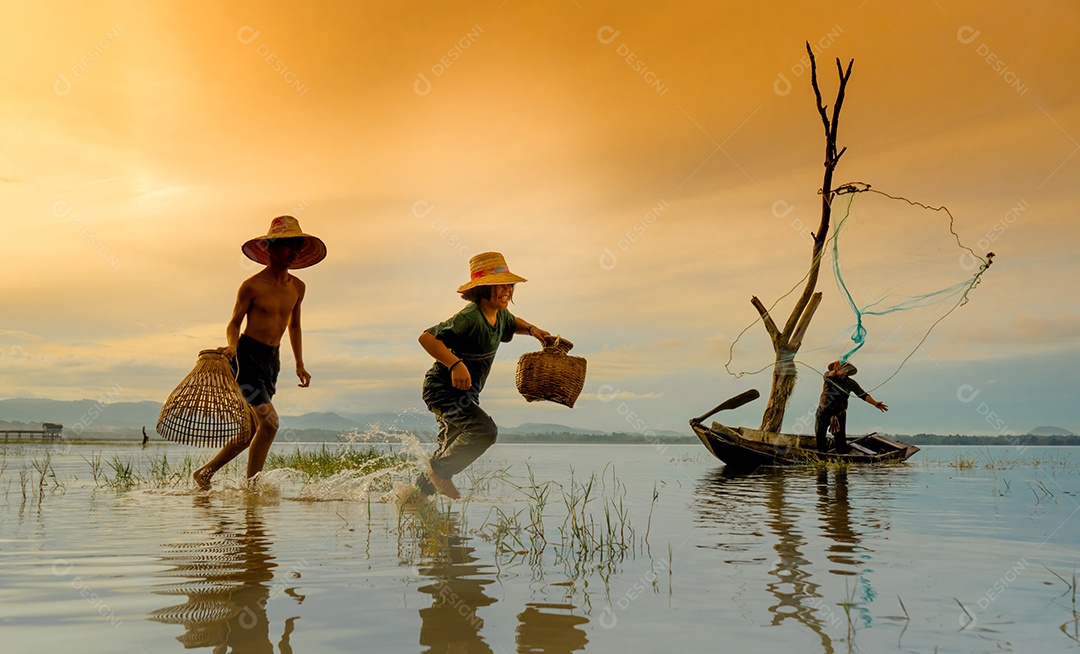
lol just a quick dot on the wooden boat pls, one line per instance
(742, 447)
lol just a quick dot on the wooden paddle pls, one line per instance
(733, 403)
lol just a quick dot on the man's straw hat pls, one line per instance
(312, 252)
(489, 269)
(847, 368)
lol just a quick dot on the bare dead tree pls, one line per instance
(786, 342)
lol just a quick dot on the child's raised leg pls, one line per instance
(469, 432)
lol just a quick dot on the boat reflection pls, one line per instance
(227, 578)
(780, 500)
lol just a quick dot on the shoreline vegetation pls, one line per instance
(562, 438)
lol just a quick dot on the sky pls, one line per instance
(648, 167)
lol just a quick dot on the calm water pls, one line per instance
(903, 559)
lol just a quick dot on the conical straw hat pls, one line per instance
(312, 252)
(489, 269)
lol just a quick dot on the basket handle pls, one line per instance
(553, 344)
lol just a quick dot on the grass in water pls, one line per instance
(963, 462)
(156, 470)
(326, 462)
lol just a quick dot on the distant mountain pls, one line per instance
(1050, 431)
(330, 421)
(80, 415)
(546, 428)
(410, 421)
(85, 414)
(552, 428)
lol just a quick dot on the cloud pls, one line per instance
(1026, 333)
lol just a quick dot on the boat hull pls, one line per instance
(750, 448)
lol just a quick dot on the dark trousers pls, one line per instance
(465, 432)
(821, 426)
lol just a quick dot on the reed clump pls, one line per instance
(584, 524)
(326, 462)
(962, 462)
(594, 531)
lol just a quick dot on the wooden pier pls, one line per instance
(49, 430)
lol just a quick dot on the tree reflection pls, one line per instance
(228, 585)
(835, 515)
(741, 502)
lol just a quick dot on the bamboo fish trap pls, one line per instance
(208, 407)
(551, 374)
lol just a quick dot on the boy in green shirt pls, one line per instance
(464, 348)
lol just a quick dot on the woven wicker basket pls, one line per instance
(551, 374)
(208, 407)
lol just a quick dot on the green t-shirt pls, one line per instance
(474, 341)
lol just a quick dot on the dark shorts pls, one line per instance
(256, 367)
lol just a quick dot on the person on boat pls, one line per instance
(270, 301)
(464, 348)
(832, 408)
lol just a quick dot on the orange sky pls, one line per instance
(143, 142)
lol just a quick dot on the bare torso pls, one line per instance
(271, 305)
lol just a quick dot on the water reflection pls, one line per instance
(779, 500)
(551, 628)
(228, 585)
(835, 515)
(452, 623)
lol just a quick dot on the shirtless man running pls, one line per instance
(270, 300)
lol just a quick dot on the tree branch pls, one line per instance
(795, 342)
(817, 91)
(767, 320)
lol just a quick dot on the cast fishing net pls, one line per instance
(898, 268)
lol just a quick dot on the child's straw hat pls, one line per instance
(489, 269)
(312, 252)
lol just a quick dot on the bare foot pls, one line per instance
(405, 495)
(202, 478)
(444, 485)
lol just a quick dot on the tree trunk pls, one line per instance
(786, 342)
(783, 385)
